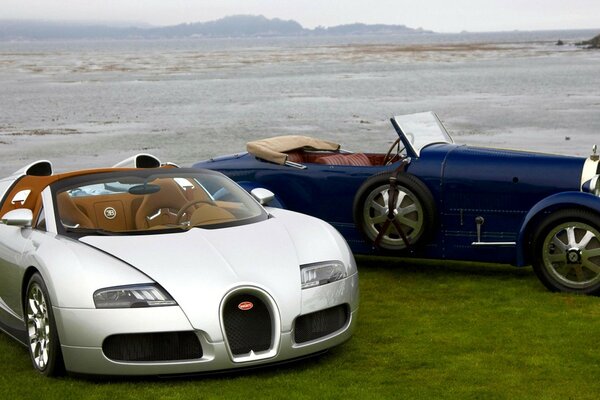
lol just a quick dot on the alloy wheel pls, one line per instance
(571, 254)
(38, 326)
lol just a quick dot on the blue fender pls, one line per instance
(249, 185)
(549, 204)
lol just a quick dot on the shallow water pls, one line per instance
(90, 104)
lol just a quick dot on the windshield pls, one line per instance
(151, 201)
(421, 129)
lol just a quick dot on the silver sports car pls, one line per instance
(143, 269)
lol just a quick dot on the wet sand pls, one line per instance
(83, 106)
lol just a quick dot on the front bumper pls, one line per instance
(82, 332)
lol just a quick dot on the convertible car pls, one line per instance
(143, 269)
(429, 197)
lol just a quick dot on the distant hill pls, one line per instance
(364, 29)
(232, 26)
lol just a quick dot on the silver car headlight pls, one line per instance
(132, 296)
(322, 273)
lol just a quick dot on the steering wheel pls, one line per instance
(387, 160)
(187, 205)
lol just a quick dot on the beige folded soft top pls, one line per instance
(274, 149)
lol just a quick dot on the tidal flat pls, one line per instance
(90, 104)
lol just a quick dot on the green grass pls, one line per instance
(426, 330)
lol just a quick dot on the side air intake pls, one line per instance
(38, 168)
(139, 161)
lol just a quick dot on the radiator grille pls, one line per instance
(247, 329)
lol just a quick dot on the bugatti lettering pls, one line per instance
(110, 213)
(245, 305)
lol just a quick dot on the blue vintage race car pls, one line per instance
(428, 197)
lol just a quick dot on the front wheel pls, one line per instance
(414, 211)
(44, 346)
(567, 252)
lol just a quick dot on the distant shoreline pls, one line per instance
(232, 26)
(568, 36)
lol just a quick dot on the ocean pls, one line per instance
(93, 103)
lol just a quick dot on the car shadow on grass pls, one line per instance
(427, 273)
(442, 267)
(295, 366)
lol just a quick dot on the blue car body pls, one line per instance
(510, 193)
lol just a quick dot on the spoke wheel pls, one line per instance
(413, 211)
(568, 252)
(408, 211)
(44, 346)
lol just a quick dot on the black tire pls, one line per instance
(417, 211)
(43, 341)
(566, 252)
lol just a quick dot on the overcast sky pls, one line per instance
(437, 15)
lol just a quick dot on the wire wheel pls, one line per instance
(408, 213)
(414, 211)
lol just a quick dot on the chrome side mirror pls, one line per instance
(20, 217)
(263, 196)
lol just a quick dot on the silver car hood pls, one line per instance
(200, 266)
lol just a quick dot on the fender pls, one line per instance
(249, 185)
(547, 205)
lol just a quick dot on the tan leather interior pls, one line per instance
(37, 184)
(276, 149)
(162, 207)
(70, 214)
(133, 212)
(123, 211)
(208, 214)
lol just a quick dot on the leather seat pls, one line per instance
(353, 159)
(70, 214)
(160, 208)
(208, 214)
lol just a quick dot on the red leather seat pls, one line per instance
(353, 159)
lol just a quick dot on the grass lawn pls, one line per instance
(426, 330)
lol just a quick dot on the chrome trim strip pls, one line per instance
(492, 244)
(295, 165)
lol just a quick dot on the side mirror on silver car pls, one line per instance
(22, 217)
(263, 196)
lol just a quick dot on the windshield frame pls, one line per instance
(91, 178)
(428, 123)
